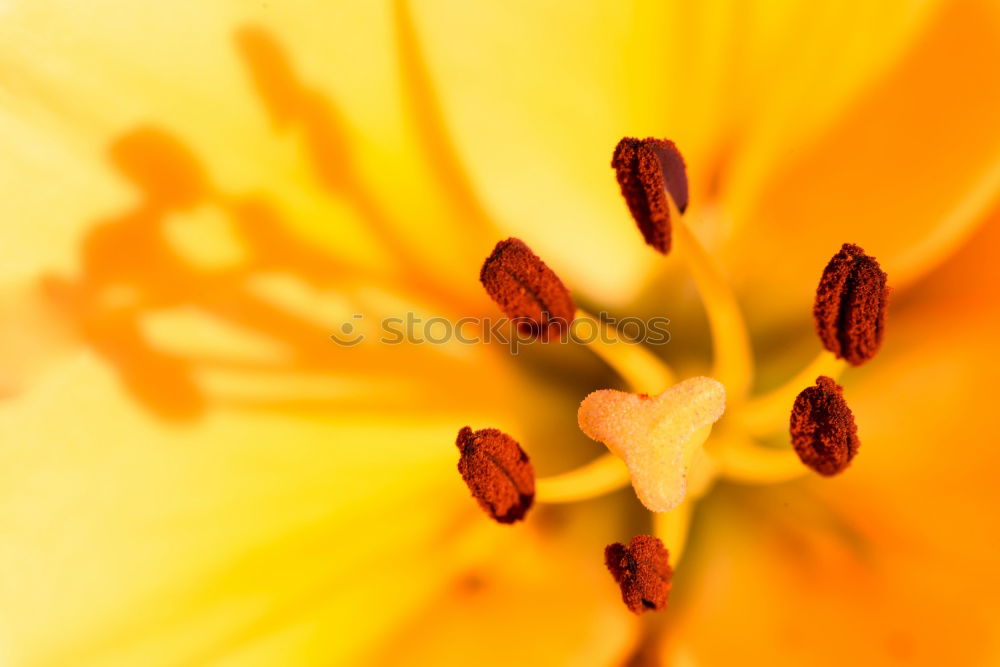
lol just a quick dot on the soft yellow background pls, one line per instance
(196, 194)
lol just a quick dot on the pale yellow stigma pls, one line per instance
(655, 435)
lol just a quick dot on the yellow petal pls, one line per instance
(906, 172)
(164, 545)
(526, 605)
(98, 81)
(537, 96)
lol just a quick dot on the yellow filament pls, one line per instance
(672, 528)
(768, 413)
(733, 363)
(604, 474)
(641, 369)
(741, 459)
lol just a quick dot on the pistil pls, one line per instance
(672, 529)
(656, 436)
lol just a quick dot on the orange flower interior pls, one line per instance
(660, 437)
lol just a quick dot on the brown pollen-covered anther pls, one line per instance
(642, 570)
(649, 170)
(527, 290)
(497, 472)
(822, 426)
(850, 305)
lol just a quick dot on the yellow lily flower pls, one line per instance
(200, 194)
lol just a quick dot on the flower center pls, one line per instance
(660, 436)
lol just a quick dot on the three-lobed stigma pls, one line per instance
(652, 434)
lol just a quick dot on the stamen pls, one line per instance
(642, 570)
(602, 475)
(767, 414)
(653, 180)
(648, 170)
(851, 304)
(654, 434)
(497, 472)
(742, 459)
(526, 290)
(824, 434)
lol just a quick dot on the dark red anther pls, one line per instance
(498, 473)
(642, 570)
(649, 170)
(822, 426)
(526, 290)
(851, 303)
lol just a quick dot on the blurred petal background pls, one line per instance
(196, 195)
